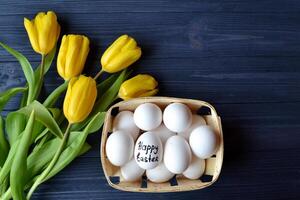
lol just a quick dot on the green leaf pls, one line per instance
(5, 96)
(26, 67)
(86, 147)
(72, 151)
(40, 158)
(104, 85)
(37, 160)
(4, 147)
(40, 129)
(19, 165)
(8, 162)
(42, 115)
(24, 99)
(56, 112)
(14, 124)
(45, 135)
(52, 98)
(37, 167)
(110, 95)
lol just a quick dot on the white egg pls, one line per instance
(131, 171)
(196, 168)
(147, 116)
(177, 154)
(203, 142)
(119, 148)
(148, 150)
(177, 117)
(124, 121)
(163, 133)
(196, 121)
(159, 174)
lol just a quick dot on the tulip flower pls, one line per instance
(43, 32)
(72, 55)
(122, 53)
(142, 85)
(80, 98)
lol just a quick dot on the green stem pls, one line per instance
(44, 174)
(98, 74)
(39, 82)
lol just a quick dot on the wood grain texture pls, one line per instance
(241, 56)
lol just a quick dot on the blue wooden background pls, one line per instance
(241, 56)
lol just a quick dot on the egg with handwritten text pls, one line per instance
(148, 150)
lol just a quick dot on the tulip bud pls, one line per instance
(72, 55)
(80, 98)
(43, 32)
(142, 85)
(122, 53)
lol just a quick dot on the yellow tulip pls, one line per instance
(43, 32)
(80, 98)
(72, 55)
(142, 85)
(122, 53)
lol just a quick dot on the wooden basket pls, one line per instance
(178, 183)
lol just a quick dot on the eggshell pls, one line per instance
(148, 150)
(177, 117)
(203, 142)
(196, 168)
(131, 171)
(159, 174)
(177, 154)
(147, 116)
(163, 133)
(197, 120)
(124, 121)
(119, 148)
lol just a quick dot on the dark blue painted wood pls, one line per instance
(242, 56)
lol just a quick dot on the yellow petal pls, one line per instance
(81, 99)
(74, 47)
(42, 26)
(149, 93)
(68, 97)
(61, 58)
(139, 86)
(32, 34)
(123, 60)
(131, 44)
(51, 19)
(82, 56)
(113, 50)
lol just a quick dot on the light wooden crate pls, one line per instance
(213, 164)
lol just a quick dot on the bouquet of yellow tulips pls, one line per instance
(39, 139)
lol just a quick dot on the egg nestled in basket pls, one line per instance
(165, 147)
